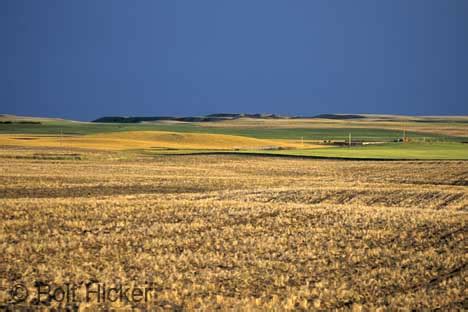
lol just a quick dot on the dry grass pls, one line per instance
(239, 232)
(144, 140)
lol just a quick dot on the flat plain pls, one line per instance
(246, 214)
(235, 232)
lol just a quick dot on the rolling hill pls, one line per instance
(145, 140)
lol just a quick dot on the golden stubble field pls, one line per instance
(233, 232)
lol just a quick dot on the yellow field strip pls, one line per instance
(147, 140)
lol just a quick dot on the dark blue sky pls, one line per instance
(84, 59)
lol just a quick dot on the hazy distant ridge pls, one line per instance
(217, 117)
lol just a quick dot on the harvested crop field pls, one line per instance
(235, 232)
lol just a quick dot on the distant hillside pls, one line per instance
(218, 117)
(338, 116)
(118, 119)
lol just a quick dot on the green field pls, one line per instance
(402, 151)
(388, 151)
